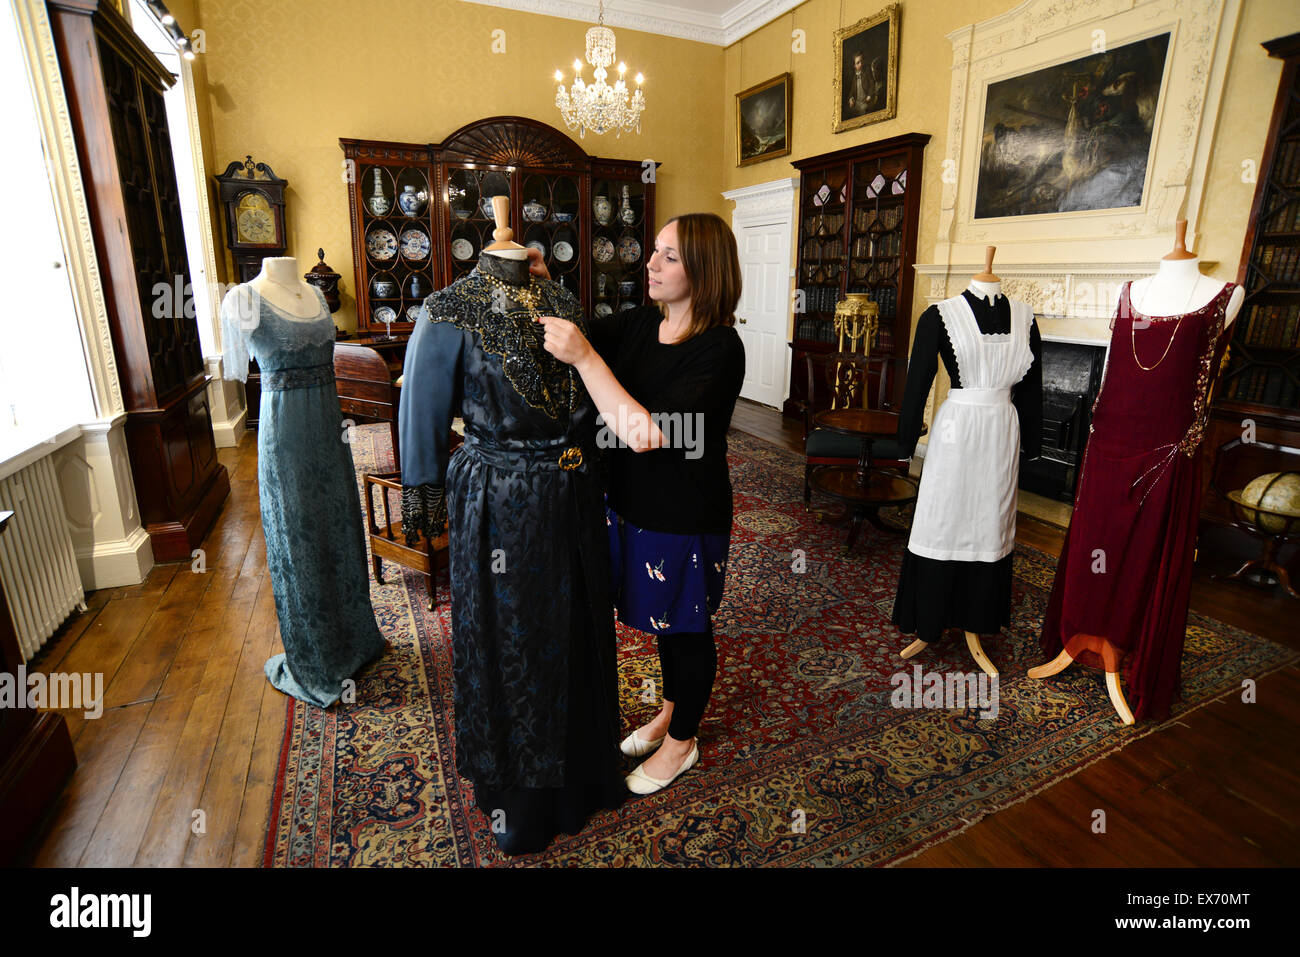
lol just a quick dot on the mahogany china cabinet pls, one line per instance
(422, 213)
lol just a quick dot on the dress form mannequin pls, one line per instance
(987, 286)
(1176, 289)
(504, 247)
(280, 284)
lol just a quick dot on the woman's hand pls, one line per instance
(565, 341)
(537, 264)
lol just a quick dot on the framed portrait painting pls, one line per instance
(866, 71)
(763, 121)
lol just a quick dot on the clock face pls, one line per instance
(254, 221)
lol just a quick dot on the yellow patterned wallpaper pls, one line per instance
(284, 79)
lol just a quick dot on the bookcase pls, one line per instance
(1260, 384)
(858, 210)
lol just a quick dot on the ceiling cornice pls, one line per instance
(743, 18)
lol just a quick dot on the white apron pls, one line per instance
(966, 505)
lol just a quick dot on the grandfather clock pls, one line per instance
(253, 197)
(114, 87)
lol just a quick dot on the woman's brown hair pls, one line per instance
(708, 250)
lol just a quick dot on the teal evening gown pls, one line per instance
(311, 513)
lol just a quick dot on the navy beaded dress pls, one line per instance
(311, 514)
(532, 621)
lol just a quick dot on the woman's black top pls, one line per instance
(692, 388)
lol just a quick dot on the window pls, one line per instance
(44, 380)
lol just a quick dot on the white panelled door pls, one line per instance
(764, 312)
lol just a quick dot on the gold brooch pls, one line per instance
(571, 458)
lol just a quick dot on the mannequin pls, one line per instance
(536, 711)
(1176, 296)
(957, 570)
(280, 284)
(307, 493)
(1178, 286)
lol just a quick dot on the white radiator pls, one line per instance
(38, 566)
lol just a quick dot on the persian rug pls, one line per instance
(804, 759)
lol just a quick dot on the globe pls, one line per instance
(1277, 493)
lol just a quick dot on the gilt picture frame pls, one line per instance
(763, 121)
(866, 71)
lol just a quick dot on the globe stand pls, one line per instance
(1267, 563)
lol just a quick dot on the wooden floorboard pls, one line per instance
(190, 723)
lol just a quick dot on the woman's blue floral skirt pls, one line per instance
(663, 582)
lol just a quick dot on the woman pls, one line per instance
(665, 381)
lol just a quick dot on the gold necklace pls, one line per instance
(1132, 327)
(529, 295)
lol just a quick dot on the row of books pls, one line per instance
(820, 298)
(1272, 326)
(1283, 219)
(1281, 263)
(814, 248)
(1265, 386)
(886, 218)
(876, 245)
(1286, 165)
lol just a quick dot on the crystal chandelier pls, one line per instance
(599, 107)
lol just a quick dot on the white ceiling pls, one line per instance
(721, 22)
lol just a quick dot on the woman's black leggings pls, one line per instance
(690, 663)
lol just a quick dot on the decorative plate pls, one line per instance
(629, 250)
(624, 306)
(534, 244)
(415, 244)
(602, 249)
(413, 312)
(603, 309)
(381, 244)
(562, 251)
(462, 248)
(385, 314)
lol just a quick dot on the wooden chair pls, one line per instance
(388, 541)
(843, 380)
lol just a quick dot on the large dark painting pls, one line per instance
(763, 121)
(1071, 137)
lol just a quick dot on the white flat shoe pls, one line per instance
(638, 782)
(634, 747)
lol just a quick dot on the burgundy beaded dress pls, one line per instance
(1126, 567)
